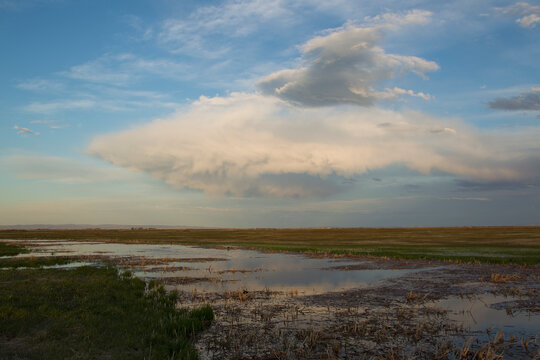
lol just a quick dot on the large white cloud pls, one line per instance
(281, 142)
(345, 66)
(254, 145)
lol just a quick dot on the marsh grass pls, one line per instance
(33, 261)
(11, 250)
(494, 245)
(93, 313)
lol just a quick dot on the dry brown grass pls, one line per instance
(494, 236)
(500, 278)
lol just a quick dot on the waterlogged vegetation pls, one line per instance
(91, 312)
(11, 250)
(275, 305)
(33, 262)
(495, 245)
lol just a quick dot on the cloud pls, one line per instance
(254, 145)
(341, 67)
(61, 170)
(105, 98)
(40, 85)
(25, 131)
(52, 124)
(394, 20)
(528, 15)
(524, 101)
(101, 84)
(234, 18)
(394, 92)
(50, 107)
(124, 69)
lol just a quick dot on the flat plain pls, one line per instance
(404, 293)
(520, 244)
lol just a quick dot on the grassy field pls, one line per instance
(519, 245)
(89, 313)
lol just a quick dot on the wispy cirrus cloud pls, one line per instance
(25, 131)
(54, 106)
(40, 85)
(124, 69)
(91, 102)
(52, 124)
(233, 18)
(528, 16)
(101, 84)
(394, 20)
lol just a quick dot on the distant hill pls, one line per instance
(100, 226)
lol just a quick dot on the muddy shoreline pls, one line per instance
(394, 318)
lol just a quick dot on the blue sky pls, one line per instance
(270, 113)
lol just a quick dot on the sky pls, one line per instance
(270, 113)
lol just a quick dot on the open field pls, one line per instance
(520, 245)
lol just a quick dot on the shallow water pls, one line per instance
(223, 269)
(488, 313)
(232, 269)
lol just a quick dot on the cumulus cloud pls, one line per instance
(524, 101)
(283, 141)
(25, 131)
(254, 145)
(528, 15)
(343, 66)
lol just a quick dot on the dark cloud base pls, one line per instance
(523, 101)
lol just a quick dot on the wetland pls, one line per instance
(449, 298)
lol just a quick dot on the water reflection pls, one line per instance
(239, 269)
(493, 312)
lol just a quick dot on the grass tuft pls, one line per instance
(12, 250)
(91, 313)
(33, 261)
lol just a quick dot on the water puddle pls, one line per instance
(490, 313)
(191, 268)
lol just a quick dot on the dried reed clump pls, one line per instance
(415, 297)
(242, 295)
(500, 278)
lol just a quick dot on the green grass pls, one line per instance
(34, 262)
(456, 253)
(92, 313)
(11, 250)
(497, 244)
